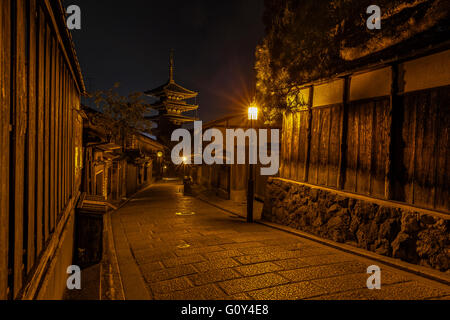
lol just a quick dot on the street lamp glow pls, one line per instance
(160, 154)
(184, 160)
(253, 112)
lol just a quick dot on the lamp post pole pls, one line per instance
(160, 165)
(252, 115)
(251, 191)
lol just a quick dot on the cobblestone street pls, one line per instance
(173, 247)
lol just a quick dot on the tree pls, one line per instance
(308, 40)
(120, 116)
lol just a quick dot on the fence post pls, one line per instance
(344, 134)
(394, 101)
(309, 134)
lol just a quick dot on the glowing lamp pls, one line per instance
(253, 112)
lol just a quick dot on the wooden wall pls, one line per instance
(324, 158)
(382, 133)
(367, 151)
(5, 105)
(40, 91)
(422, 163)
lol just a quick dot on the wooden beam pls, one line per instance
(57, 136)
(344, 134)
(19, 133)
(308, 134)
(52, 135)
(70, 111)
(299, 175)
(31, 142)
(436, 152)
(295, 145)
(289, 136)
(5, 127)
(372, 145)
(393, 106)
(319, 140)
(330, 124)
(357, 146)
(63, 135)
(46, 106)
(40, 132)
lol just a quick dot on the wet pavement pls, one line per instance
(172, 247)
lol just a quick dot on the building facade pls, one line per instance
(115, 170)
(41, 148)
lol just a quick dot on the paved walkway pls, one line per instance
(173, 247)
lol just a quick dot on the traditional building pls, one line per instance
(365, 148)
(364, 157)
(172, 105)
(117, 168)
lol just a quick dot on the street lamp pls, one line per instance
(185, 161)
(252, 116)
(160, 155)
(253, 112)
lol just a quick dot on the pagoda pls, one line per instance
(171, 106)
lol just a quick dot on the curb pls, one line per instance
(112, 253)
(111, 261)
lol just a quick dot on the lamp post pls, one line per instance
(187, 185)
(184, 166)
(160, 165)
(252, 116)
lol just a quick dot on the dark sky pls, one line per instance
(214, 42)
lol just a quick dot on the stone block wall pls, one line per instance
(410, 234)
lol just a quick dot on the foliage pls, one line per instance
(120, 116)
(307, 40)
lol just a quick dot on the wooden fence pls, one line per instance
(382, 132)
(40, 161)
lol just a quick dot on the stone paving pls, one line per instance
(172, 247)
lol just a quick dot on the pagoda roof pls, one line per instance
(173, 117)
(171, 88)
(174, 104)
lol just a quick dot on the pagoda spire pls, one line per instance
(172, 102)
(171, 67)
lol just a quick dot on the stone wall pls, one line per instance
(406, 233)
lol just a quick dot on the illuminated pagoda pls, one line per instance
(171, 105)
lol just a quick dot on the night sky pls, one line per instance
(214, 43)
